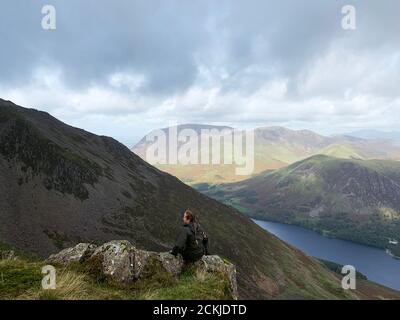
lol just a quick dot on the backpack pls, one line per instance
(201, 238)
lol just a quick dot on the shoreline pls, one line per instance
(390, 253)
(328, 236)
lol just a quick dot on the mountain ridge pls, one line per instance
(275, 148)
(61, 186)
(352, 199)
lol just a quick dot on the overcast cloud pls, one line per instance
(124, 67)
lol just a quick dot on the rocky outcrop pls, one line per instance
(124, 263)
(216, 264)
(171, 264)
(79, 253)
(7, 255)
(117, 258)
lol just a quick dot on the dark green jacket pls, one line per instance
(189, 245)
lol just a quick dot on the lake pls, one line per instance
(375, 263)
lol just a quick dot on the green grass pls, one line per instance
(337, 268)
(17, 277)
(21, 279)
(192, 285)
(340, 151)
(314, 185)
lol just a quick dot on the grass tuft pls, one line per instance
(21, 279)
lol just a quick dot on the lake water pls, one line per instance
(375, 263)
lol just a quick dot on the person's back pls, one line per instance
(192, 241)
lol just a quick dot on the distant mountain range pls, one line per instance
(358, 200)
(61, 185)
(277, 147)
(376, 134)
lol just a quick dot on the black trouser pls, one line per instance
(192, 257)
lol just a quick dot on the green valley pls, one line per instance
(344, 198)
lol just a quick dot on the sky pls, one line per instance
(124, 67)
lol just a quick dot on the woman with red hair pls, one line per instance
(192, 242)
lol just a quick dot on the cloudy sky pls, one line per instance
(124, 67)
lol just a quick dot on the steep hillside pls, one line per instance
(350, 199)
(274, 148)
(60, 185)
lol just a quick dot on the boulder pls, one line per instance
(213, 264)
(231, 273)
(8, 255)
(79, 253)
(124, 263)
(120, 261)
(170, 263)
(140, 261)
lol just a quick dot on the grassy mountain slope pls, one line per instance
(60, 185)
(350, 199)
(340, 151)
(21, 279)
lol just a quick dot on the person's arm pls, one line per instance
(180, 242)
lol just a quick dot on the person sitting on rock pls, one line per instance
(192, 242)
